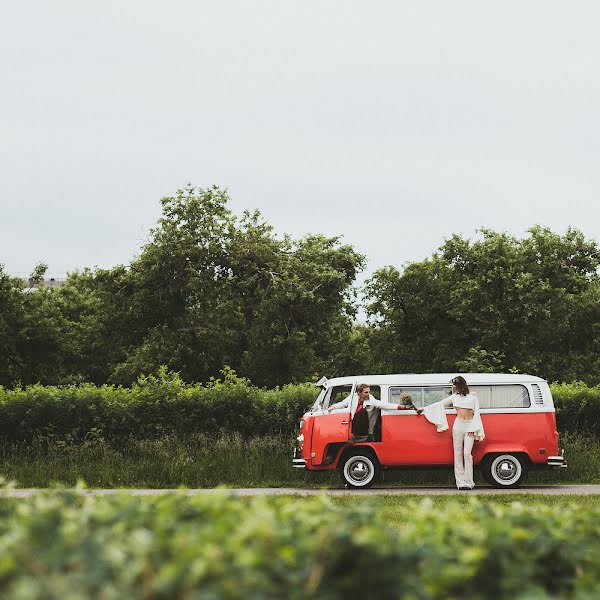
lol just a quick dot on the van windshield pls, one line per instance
(318, 402)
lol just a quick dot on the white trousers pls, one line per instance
(463, 460)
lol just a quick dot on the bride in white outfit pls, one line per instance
(467, 428)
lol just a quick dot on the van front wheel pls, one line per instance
(504, 470)
(359, 470)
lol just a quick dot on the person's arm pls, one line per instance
(393, 406)
(447, 402)
(342, 404)
(443, 404)
(436, 413)
(381, 404)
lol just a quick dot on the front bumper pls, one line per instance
(299, 463)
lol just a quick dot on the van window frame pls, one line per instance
(505, 408)
(419, 402)
(327, 398)
(353, 386)
(410, 388)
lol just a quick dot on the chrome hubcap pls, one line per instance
(506, 470)
(359, 470)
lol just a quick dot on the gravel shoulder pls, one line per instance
(576, 490)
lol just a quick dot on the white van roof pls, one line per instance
(434, 379)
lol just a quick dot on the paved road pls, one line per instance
(394, 491)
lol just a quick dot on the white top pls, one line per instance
(369, 404)
(436, 413)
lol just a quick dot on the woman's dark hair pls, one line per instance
(461, 385)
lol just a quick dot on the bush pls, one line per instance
(155, 406)
(577, 407)
(163, 404)
(65, 545)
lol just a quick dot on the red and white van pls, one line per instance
(517, 412)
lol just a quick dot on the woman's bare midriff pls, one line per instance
(464, 413)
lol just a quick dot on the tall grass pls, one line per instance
(201, 460)
(197, 460)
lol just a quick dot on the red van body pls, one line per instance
(517, 413)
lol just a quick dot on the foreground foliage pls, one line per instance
(68, 546)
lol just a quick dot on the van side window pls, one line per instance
(502, 396)
(340, 392)
(375, 392)
(421, 396)
(489, 396)
(431, 395)
(337, 394)
(415, 393)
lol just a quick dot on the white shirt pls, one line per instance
(436, 413)
(370, 404)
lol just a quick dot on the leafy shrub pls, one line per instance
(155, 406)
(577, 407)
(163, 404)
(65, 545)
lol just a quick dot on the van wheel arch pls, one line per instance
(359, 467)
(505, 469)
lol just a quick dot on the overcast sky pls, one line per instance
(394, 124)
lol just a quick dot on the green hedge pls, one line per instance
(154, 407)
(577, 407)
(69, 546)
(161, 405)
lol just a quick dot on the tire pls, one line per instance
(359, 470)
(504, 470)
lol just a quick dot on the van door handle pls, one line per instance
(345, 422)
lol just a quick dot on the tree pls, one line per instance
(210, 289)
(497, 303)
(11, 321)
(181, 308)
(32, 333)
(296, 301)
(37, 275)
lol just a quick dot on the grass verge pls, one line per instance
(198, 461)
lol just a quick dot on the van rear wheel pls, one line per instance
(359, 470)
(504, 470)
